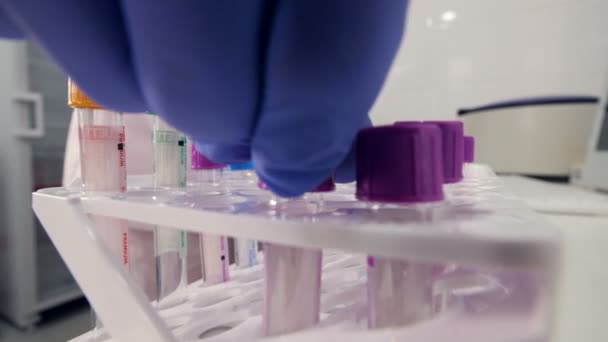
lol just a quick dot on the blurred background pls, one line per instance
(466, 53)
(457, 56)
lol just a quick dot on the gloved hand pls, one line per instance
(285, 83)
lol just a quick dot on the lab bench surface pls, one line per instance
(581, 216)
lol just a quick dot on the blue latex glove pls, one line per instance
(8, 29)
(285, 83)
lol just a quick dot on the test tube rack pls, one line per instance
(510, 237)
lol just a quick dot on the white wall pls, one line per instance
(459, 53)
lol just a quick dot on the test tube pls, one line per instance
(468, 145)
(103, 167)
(208, 180)
(292, 285)
(102, 158)
(470, 169)
(242, 175)
(170, 167)
(292, 275)
(399, 175)
(195, 260)
(245, 250)
(452, 148)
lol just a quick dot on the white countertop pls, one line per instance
(583, 304)
(582, 311)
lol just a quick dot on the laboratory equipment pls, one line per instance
(469, 149)
(464, 255)
(170, 166)
(452, 133)
(103, 163)
(245, 252)
(208, 180)
(195, 259)
(241, 177)
(400, 174)
(103, 168)
(595, 168)
(538, 136)
(33, 277)
(471, 170)
(292, 275)
(480, 227)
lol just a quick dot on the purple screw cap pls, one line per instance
(400, 163)
(469, 149)
(328, 185)
(200, 162)
(452, 133)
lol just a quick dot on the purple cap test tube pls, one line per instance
(452, 133)
(207, 174)
(400, 167)
(200, 162)
(214, 247)
(400, 163)
(469, 149)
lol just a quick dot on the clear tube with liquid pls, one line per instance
(214, 247)
(292, 275)
(170, 165)
(208, 181)
(215, 259)
(245, 250)
(194, 263)
(400, 292)
(103, 170)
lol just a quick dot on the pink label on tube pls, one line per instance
(103, 158)
(215, 259)
(224, 258)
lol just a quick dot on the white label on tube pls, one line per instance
(167, 159)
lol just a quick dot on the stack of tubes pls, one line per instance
(426, 155)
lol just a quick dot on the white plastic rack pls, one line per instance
(479, 226)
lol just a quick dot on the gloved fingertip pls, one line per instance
(225, 153)
(345, 175)
(277, 189)
(289, 184)
(8, 28)
(346, 171)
